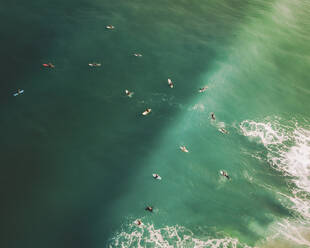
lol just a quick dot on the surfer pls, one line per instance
(110, 27)
(137, 54)
(139, 222)
(149, 208)
(49, 65)
(203, 89)
(147, 111)
(224, 173)
(94, 64)
(19, 91)
(213, 116)
(223, 130)
(170, 83)
(183, 149)
(129, 93)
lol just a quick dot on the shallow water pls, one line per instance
(78, 156)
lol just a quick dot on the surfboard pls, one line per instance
(203, 89)
(48, 65)
(170, 83)
(94, 65)
(158, 178)
(147, 112)
(223, 131)
(183, 149)
(128, 93)
(16, 94)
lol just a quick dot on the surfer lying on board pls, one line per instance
(19, 91)
(137, 54)
(203, 89)
(49, 65)
(224, 173)
(147, 111)
(183, 149)
(109, 27)
(148, 208)
(94, 64)
(213, 116)
(156, 176)
(223, 130)
(129, 93)
(170, 83)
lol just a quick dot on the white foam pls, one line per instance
(288, 148)
(147, 235)
(289, 152)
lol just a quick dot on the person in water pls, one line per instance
(223, 130)
(156, 176)
(139, 222)
(213, 116)
(19, 91)
(148, 208)
(137, 54)
(226, 175)
(203, 89)
(50, 65)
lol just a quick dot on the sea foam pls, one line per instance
(146, 235)
(288, 147)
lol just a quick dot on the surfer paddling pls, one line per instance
(223, 130)
(49, 65)
(213, 116)
(19, 92)
(137, 55)
(156, 176)
(129, 93)
(147, 111)
(109, 27)
(224, 173)
(170, 83)
(94, 64)
(183, 149)
(203, 89)
(149, 208)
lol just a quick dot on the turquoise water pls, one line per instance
(77, 156)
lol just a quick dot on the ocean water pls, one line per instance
(77, 156)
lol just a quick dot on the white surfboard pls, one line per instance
(18, 93)
(146, 112)
(137, 54)
(94, 65)
(183, 149)
(170, 83)
(128, 93)
(157, 178)
(203, 89)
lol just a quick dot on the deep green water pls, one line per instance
(77, 156)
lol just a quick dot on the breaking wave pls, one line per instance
(288, 147)
(146, 235)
